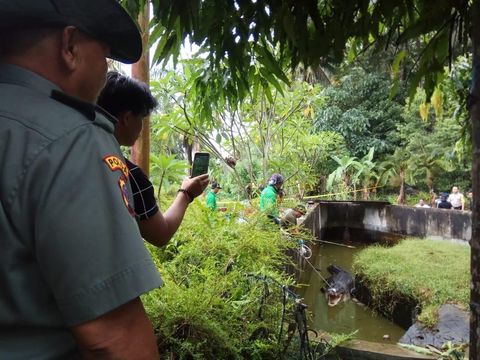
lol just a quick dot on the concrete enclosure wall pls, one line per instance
(369, 219)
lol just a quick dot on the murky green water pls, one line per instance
(347, 316)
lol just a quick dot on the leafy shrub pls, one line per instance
(212, 306)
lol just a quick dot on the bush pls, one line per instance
(212, 306)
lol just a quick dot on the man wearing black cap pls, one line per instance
(269, 197)
(73, 264)
(211, 198)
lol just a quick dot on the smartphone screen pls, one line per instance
(200, 164)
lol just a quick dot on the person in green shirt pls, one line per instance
(212, 196)
(269, 195)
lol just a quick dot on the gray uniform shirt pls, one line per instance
(70, 249)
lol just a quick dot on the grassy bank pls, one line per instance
(430, 272)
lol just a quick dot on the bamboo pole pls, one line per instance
(334, 243)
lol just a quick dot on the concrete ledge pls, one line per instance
(363, 350)
(380, 221)
(381, 217)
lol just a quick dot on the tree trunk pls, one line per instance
(366, 193)
(474, 107)
(433, 197)
(188, 148)
(401, 195)
(140, 71)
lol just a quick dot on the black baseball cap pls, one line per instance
(104, 20)
(216, 185)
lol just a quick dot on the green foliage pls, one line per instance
(435, 144)
(341, 179)
(277, 136)
(415, 269)
(456, 89)
(415, 198)
(237, 34)
(270, 132)
(281, 135)
(359, 109)
(209, 306)
(434, 141)
(166, 170)
(351, 173)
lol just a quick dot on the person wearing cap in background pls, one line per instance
(130, 101)
(73, 263)
(269, 195)
(444, 203)
(290, 216)
(211, 198)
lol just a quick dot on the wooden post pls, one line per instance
(474, 107)
(141, 72)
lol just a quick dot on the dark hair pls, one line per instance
(22, 39)
(122, 93)
(216, 185)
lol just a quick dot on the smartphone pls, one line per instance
(200, 164)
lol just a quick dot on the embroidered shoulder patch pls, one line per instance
(114, 163)
(122, 183)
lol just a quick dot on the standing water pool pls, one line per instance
(348, 316)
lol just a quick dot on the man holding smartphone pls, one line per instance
(131, 101)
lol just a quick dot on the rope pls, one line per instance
(225, 202)
(341, 193)
(309, 251)
(305, 251)
(316, 271)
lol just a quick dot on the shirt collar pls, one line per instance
(274, 188)
(13, 74)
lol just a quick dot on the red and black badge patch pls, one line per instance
(114, 163)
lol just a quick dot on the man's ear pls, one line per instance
(124, 118)
(70, 47)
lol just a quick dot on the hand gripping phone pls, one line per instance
(200, 164)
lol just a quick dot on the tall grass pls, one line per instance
(212, 306)
(430, 272)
